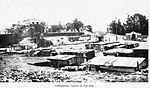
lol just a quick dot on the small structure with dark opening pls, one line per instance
(133, 35)
(83, 55)
(63, 60)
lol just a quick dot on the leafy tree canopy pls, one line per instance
(137, 23)
(56, 28)
(89, 28)
(116, 28)
(75, 25)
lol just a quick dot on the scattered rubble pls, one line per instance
(14, 75)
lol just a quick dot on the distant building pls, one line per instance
(108, 37)
(27, 43)
(133, 35)
(121, 37)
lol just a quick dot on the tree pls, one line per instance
(9, 30)
(137, 23)
(44, 43)
(89, 28)
(77, 25)
(16, 29)
(31, 32)
(120, 28)
(36, 29)
(33, 28)
(116, 28)
(69, 26)
(57, 28)
(54, 28)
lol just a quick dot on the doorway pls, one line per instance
(133, 37)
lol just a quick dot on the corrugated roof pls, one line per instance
(105, 43)
(121, 46)
(109, 45)
(119, 50)
(61, 57)
(74, 50)
(83, 50)
(116, 61)
(128, 62)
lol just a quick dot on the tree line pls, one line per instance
(36, 28)
(75, 25)
(136, 22)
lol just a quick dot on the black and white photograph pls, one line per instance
(74, 43)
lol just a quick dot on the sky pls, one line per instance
(97, 13)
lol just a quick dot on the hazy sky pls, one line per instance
(97, 13)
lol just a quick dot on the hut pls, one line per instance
(142, 51)
(62, 60)
(111, 46)
(121, 64)
(101, 46)
(83, 54)
(37, 61)
(119, 52)
(27, 43)
(42, 52)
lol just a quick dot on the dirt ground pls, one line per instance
(14, 68)
(17, 69)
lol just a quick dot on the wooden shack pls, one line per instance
(63, 60)
(83, 54)
(119, 52)
(121, 64)
(47, 52)
(42, 52)
(100, 45)
(141, 52)
(111, 46)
